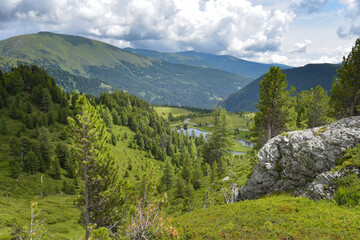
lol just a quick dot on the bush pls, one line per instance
(348, 192)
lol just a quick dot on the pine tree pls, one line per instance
(319, 108)
(218, 143)
(45, 101)
(345, 91)
(275, 111)
(57, 168)
(147, 221)
(102, 196)
(31, 162)
(13, 82)
(35, 229)
(167, 179)
(4, 127)
(312, 108)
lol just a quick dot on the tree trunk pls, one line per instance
(269, 128)
(352, 107)
(87, 202)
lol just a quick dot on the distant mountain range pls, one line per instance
(90, 66)
(224, 62)
(182, 79)
(302, 78)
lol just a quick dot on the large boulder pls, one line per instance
(291, 161)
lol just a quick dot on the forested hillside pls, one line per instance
(302, 78)
(90, 66)
(40, 157)
(76, 166)
(227, 63)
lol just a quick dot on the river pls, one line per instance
(198, 132)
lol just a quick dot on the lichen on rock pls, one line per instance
(290, 162)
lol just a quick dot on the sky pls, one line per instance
(292, 32)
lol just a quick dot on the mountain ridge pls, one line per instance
(302, 78)
(224, 62)
(69, 58)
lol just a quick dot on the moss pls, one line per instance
(321, 130)
(285, 134)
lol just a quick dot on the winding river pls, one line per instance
(198, 132)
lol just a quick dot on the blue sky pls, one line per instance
(293, 32)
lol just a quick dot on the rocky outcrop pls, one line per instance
(324, 185)
(291, 161)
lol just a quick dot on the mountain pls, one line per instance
(302, 78)
(223, 62)
(78, 63)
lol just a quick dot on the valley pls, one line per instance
(114, 145)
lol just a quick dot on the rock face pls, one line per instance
(291, 161)
(324, 186)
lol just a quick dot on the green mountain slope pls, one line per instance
(223, 62)
(302, 78)
(91, 66)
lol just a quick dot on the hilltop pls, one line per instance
(85, 65)
(302, 78)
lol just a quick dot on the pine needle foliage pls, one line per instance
(101, 194)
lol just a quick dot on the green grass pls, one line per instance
(242, 134)
(165, 111)
(236, 146)
(61, 216)
(204, 128)
(235, 121)
(274, 217)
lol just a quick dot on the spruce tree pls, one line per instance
(276, 113)
(101, 201)
(345, 91)
(167, 179)
(218, 143)
(45, 101)
(319, 109)
(14, 83)
(312, 108)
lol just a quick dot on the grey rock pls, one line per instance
(226, 178)
(291, 162)
(234, 192)
(323, 186)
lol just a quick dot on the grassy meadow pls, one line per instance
(273, 217)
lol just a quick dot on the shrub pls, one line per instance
(348, 192)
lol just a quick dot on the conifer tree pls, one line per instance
(3, 126)
(101, 202)
(57, 168)
(318, 110)
(45, 101)
(345, 91)
(167, 179)
(13, 82)
(275, 111)
(31, 162)
(312, 108)
(147, 221)
(218, 143)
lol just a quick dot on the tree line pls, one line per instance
(34, 112)
(280, 111)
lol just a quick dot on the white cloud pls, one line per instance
(301, 47)
(326, 59)
(352, 8)
(309, 6)
(352, 13)
(268, 57)
(226, 26)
